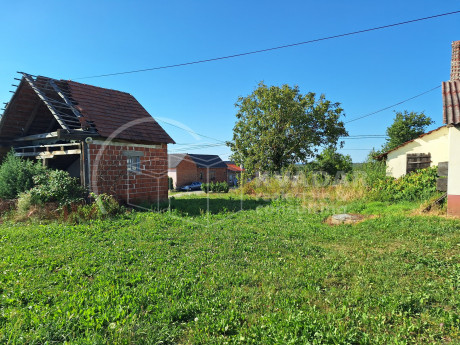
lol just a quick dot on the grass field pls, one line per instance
(274, 273)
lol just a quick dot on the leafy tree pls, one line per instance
(406, 126)
(332, 161)
(278, 126)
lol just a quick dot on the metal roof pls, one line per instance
(451, 102)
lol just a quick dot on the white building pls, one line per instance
(439, 145)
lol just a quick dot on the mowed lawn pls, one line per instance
(273, 273)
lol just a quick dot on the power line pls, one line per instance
(192, 132)
(360, 138)
(273, 48)
(356, 149)
(393, 105)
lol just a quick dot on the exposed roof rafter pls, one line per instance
(64, 112)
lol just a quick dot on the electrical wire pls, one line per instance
(393, 105)
(192, 132)
(272, 48)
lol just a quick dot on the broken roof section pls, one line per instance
(42, 105)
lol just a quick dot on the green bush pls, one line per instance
(224, 188)
(418, 185)
(107, 205)
(216, 187)
(56, 186)
(205, 187)
(170, 183)
(16, 175)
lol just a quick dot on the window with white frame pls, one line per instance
(134, 164)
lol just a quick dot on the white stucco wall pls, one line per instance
(173, 174)
(435, 143)
(453, 187)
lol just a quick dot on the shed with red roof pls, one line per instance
(102, 136)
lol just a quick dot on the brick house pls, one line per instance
(233, 173)
(102, 136)
(185, 168)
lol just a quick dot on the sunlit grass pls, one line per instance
(271, 273)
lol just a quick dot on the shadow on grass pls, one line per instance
(197, 206)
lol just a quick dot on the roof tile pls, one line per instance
(451, 101)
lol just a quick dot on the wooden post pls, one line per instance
(441, 182)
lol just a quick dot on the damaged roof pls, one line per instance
(42, 104)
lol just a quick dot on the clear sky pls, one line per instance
(365, 72)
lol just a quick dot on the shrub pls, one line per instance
(16, 175)
(170, 183)
(56, 186)
(205, 187)
(224, 188)
(107, 205)
(217, 187)
(419, 185)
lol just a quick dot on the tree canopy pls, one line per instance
(278, 126)
(406, 126)
(331, 162)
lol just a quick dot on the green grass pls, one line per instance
(270, 274)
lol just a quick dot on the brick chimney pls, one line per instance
(455, 64)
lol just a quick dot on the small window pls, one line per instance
(201, 175)
(417, 161)
(134, 164)
(212, 175)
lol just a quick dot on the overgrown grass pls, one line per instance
(270, 274)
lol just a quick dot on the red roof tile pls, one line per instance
(234, 167)
(116, 112)
(451, 102)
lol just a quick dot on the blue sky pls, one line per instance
(366, 72)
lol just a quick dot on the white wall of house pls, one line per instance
(173, 174)
(436, 143)
(453, 187)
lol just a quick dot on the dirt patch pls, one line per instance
(345, 218)
(7, 205)
(195, 192)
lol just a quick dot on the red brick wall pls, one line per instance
(220, 175)
(186, 172)
(109, 172)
